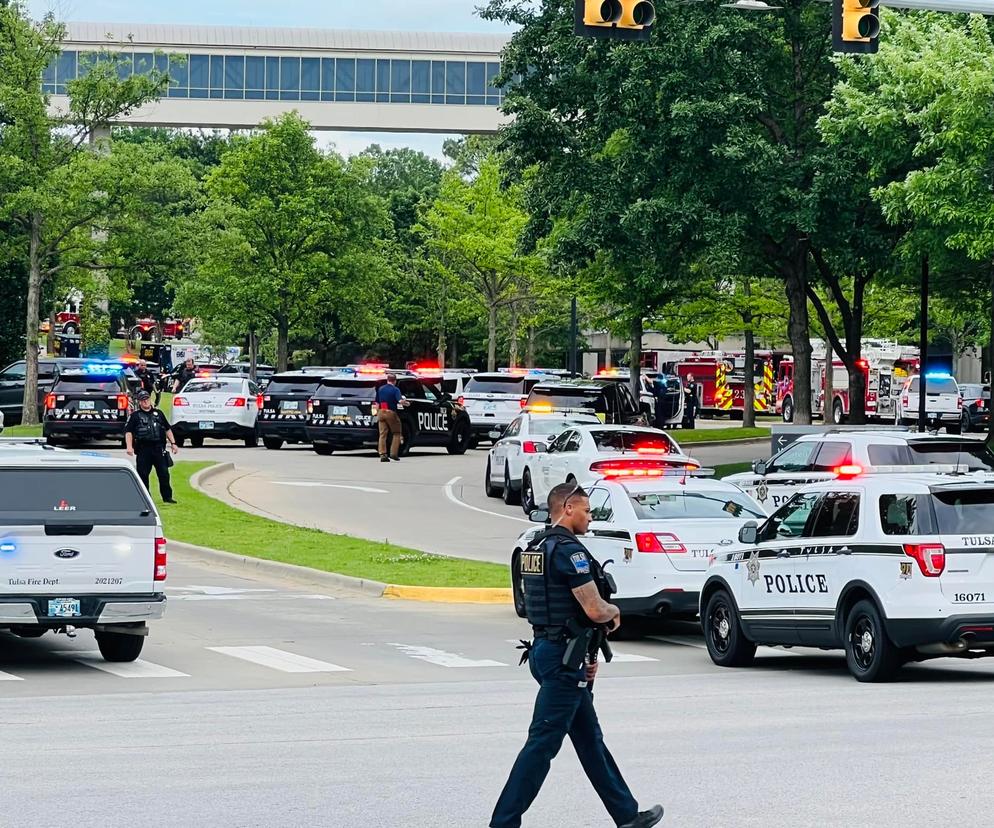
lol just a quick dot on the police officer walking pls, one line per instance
(146, 435)
(561, 593)
(187, 371)
(389, 401)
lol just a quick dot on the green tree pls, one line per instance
(291, 235)
(47, 163)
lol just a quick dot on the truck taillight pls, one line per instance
(258, 400)
(179, 401)
(931, 557)
(659, 542)
(50, 401)
(310, 406)
(523, 402)
(160, 559)
(374, 409)
(959, 402)
(122, 402)
(236, 402)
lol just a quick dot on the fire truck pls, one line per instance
(720, 378)
(885, 366)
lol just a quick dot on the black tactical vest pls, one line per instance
(549, 602)
(149, 428)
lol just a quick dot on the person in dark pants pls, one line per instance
(389, 401)
(146, 435)
(145, 376)
(690, 402)
(559, 585)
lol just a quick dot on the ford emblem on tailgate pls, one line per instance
(66, 553)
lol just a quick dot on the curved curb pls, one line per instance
(449, 595)
(197, 480)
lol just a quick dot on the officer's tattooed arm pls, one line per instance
(597, 609)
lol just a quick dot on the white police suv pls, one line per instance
(658, 532)
(81, 546)
(816, 457)
(890, 567)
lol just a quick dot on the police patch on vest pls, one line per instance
(532, 563)
(580, 563)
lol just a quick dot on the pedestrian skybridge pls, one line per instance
(232, 77)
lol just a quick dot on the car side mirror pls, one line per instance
(539, 516)
(759, 467)
(749, 533)
(493, 435)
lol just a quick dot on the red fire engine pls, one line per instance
(720, 378)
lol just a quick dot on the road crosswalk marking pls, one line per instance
(280, 660)
(444, 659)
(124, 669)
(9, 677)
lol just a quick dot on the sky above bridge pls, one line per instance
(397, 15)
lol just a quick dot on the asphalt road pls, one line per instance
(261, 702)
(430, 501)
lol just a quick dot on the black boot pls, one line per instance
(645, 819)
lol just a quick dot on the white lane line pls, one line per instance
(125, 669)
(215, 590)
(451, 495)
(9, 677)
(280, 660)
(251, 598)
(444, 659)
(682, 640)
(312, 484)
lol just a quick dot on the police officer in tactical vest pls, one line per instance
(563, 591)
(146, 435)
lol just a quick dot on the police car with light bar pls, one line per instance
(657, 532)
(816, 457)
(892, 565)
(342, 414)
(587, 450)
(81, 546)
(91, 402)
(283, 414)
(493, 399)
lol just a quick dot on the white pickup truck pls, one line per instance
(943, 403)
(81, 546)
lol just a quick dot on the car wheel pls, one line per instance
(461, 437)
(273, 443)
(252, 441)
(965, 425)
(838, 415)
(726, 642)
(511, 497)
(788, 410)
(180, 441)
(517, 587)
(870, 654)
(70, 328)
(488, 487)
(955, 428)
(527, 493)
(52, 441)
(323, 450)
(197, 442)
(119, 646)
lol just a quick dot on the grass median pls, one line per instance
(711, 435)
(204, 521)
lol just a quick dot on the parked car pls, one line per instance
(976, 406)
(12, 380)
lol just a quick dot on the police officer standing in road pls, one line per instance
(560, 580)
(146, 435)
(186, 372)
(389, 401)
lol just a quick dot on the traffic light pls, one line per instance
(614, 19)
(855, 26)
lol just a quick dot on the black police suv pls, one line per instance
(87, 403)
(342, 415)
(283, 416)
(611, 401)
(12, 380)
(976, 406)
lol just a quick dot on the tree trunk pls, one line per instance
(854, 350)
(282, 343)
(29, 409)
(749, 390)
(530, 348)
(440, 349)
(455, 350)
(990, 358)
(513, 344)
(253, 354)
(492, 338)
(795, 285)
(635, 356)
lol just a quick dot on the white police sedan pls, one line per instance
(659, 533)
(529, 433)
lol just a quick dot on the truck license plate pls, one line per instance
(205, 425)
(86, 405)
(291, 405)
(63, 607)
(339, 411)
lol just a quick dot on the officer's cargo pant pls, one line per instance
(389, 428)
(562, 708)
(150, 456)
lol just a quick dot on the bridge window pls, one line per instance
(310, 79)
(255, 77)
